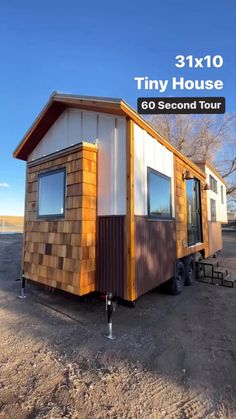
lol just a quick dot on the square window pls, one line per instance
(51, 193)
(159, 195)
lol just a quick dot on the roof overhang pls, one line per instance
(58, 102)
(53, 109)
(205, 163)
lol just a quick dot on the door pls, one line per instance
(193, 211)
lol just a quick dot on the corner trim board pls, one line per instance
(130, 285)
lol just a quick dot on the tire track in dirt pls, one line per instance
(190, 407)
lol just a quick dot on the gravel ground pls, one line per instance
(174, 357)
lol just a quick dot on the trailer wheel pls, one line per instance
(176, 284)
(189, 266)
(198, 270)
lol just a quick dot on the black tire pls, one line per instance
(189, 266)
(176, 284)
(198, 271)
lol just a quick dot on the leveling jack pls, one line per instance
(110, 307)
(22, 295)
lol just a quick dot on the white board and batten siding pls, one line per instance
(221, 207)
(109, 132)
(148, 152)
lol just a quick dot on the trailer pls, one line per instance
(111, 205)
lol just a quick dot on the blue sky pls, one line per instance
(97, 48)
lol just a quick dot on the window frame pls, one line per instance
(161, 175)
(213, 200)
(198, 211)
(211, 180)
(222, 194)
(49, 173)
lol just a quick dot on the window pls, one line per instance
(193, 211)
(213, 209)
(222, 194)
(213, 184)
(159, 195)
(51, 193)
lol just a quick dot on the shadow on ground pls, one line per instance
(173, 356)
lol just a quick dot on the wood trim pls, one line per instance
(205, 236)
(92, 105)
(32, 127)
(52, 110)
(39, 128)
(61, 153)
(147, 127)
(90, 100)
(182, 248)
(58, 103)
(214, 237)
(130, 285)
(24, 227)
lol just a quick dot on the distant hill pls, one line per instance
(11, 224)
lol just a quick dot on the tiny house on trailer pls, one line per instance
(111, 206)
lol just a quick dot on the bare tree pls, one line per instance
(203, 137)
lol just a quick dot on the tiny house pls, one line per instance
(111, 205)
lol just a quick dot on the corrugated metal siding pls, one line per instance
(155, 252)
(215, 237)
(110, 255)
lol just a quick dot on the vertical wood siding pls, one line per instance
(110, 267)
(215, 237)
(181, 212)
(61, 252)
(155, 252)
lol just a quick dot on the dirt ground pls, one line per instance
(174, 357)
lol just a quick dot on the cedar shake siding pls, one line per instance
(181, 212)
(215, 237)
(61, 252)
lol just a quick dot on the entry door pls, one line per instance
(193, 211)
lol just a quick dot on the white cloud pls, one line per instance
(4, 185)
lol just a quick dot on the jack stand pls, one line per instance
(109, 309)
(20, 276)
(22, 295)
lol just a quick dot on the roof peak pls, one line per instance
(58, 102)
(67, 95)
